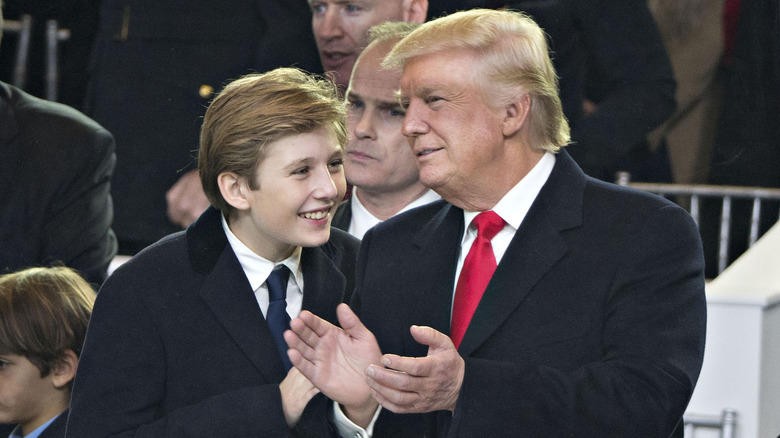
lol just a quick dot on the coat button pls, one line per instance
(206, 91)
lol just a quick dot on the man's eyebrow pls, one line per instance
(389, 104)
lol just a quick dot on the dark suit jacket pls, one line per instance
(592, 325)
(55, 172)
(178, 347)
(343, 216)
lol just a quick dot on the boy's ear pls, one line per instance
(234, 189)
(64, 370)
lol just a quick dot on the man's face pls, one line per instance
(301, 181)
(455, 135)
(378, 157)
(341, 30)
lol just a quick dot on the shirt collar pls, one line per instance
(256, 268)
(514, 206)
(362, 219)
(17, 432)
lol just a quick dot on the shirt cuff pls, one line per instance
(347, 429)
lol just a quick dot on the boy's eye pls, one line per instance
(301, 171)
(336, 163)
(352, 8)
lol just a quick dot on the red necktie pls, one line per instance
(477, 269)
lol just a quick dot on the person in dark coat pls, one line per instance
(532, 300)
(185, 339)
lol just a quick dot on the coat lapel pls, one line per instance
(323, 284)
(226, 291)
(439, 246)
(535, 248)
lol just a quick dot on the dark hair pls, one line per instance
(43, 313)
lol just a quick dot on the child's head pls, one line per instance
(44, 314)
(259, 109)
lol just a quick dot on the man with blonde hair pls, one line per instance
(533, 300)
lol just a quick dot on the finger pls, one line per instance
(383, 377)
(390, 405)
(431, 337)
(303, 365)
(301, 335)
(392, 398)
(316, 324)
(413, 366)
(351, 323)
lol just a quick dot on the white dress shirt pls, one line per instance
(362, 219)
(512, 208)
(257, 270)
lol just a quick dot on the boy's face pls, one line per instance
(301, 182)
(26, 398)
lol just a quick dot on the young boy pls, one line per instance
(43, 318)
(185, 339)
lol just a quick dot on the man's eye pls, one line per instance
(352, 8)
(301, 171)
(397, 113)
(317, 9)
(356, 104)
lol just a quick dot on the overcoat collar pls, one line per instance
(535, 248)
(227, 293)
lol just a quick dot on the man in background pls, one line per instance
(341, 28)
(378, 163)
(55, 175)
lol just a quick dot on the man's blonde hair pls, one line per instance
(258, 109)
(512, 59)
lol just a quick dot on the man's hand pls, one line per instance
(335, 360)
(419, 384)
(296, 391)
(186, 200)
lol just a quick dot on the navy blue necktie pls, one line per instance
(277, 318)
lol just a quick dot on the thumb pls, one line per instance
(351, 323)
(431, 337)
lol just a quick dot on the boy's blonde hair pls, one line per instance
(258, 109)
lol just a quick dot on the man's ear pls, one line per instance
(415, 11)
(515, 115)
(64, 370)
(234, 189)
